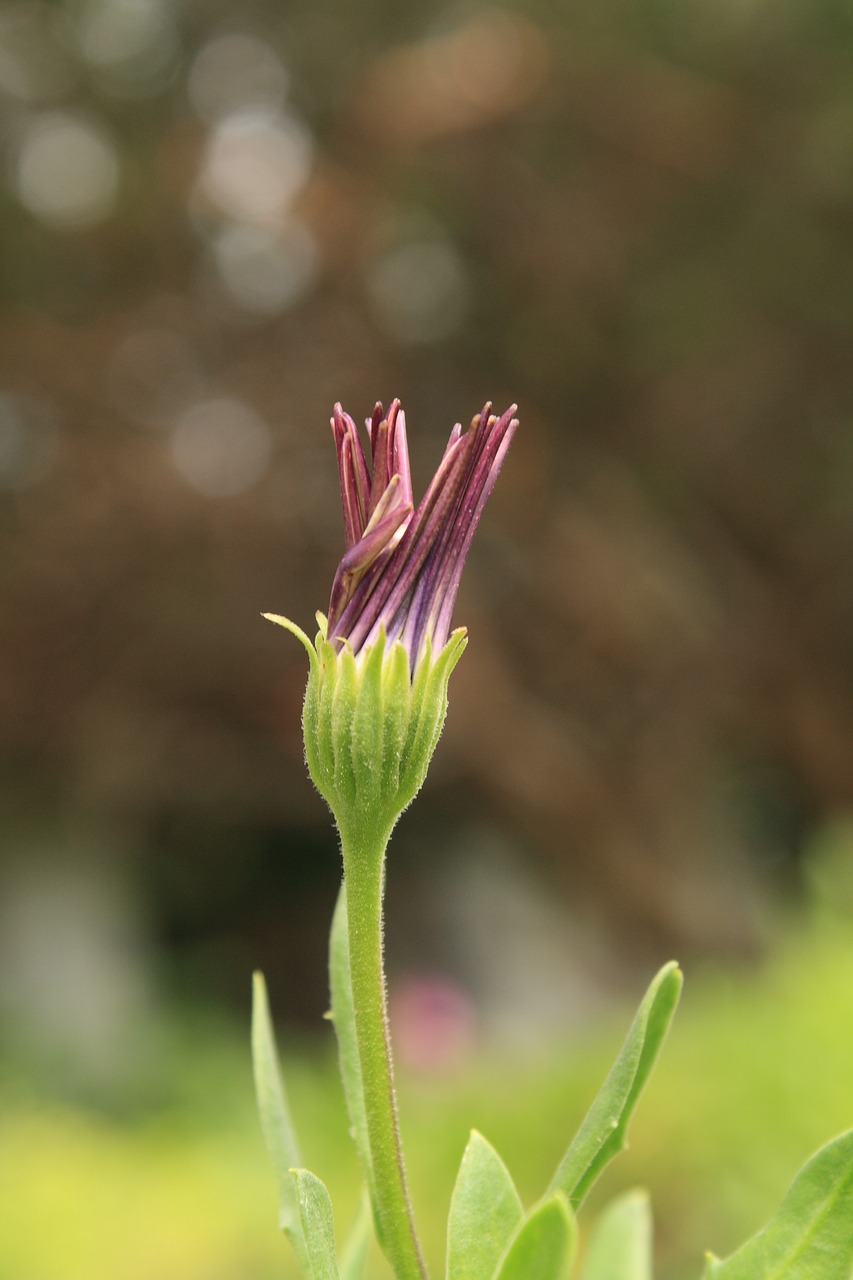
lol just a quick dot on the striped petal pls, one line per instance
(402, 568)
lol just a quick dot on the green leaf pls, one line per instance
(811, 1236)
(357, 1246)
(543, 1245)
(602, 1134)
(315, 1213)
(620, 1247)
(276, 1124)
(485, 1211)
(343, 1018)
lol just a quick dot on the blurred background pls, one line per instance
(635, 220)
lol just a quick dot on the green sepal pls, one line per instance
(422, 712)
(429, 709)
(543, 1246)
(485, 1211)
(310, 729)
(343, 684)
(370, 725)
(315, 1213)
(620, 1247)
(294, 631)
(365, 744)
(603, 1132)
(811, 1235)
(326, 676)
(276, 1124)
(397, 715)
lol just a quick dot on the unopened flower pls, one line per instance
(402, 565)
(377, 689)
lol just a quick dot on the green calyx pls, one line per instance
(370, 725)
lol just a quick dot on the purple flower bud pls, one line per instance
(402, 566)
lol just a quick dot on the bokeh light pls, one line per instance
(464, 74)
(221, 447)
(132, 45)
(492, 60)
(34, 66)
(255, 164)
(265, 272)
(419, 290)
(235, 72)
(66, 170)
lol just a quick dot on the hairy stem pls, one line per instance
(364, 876)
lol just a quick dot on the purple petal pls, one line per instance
(430, 608)
(379, 536)
(400, 459)
(442, 610)
(354, 475)
(362, 615)
(401, 571)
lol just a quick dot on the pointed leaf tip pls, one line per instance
(276, 1124)
(485, 1211)
(602, 1134)
(315, 1212)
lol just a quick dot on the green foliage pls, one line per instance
(543, 1245)
(485, 1212)
(176, 1188)
(315, 1214)
(276, 1124)
(621, 1244)
(355, 1251)
(489, 1235)
(603, 1133)
(305, 1208)
(811, 1237)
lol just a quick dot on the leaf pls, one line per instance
(602, 1134)
(485, 1211)
(343, 1018)
(276, 1124)
(315, 1213)
(621, 1244)
(811, 1236)
(357, 1246)
(542, 1247)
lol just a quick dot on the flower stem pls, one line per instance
(364, 877)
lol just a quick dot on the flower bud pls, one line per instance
(377, 688)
